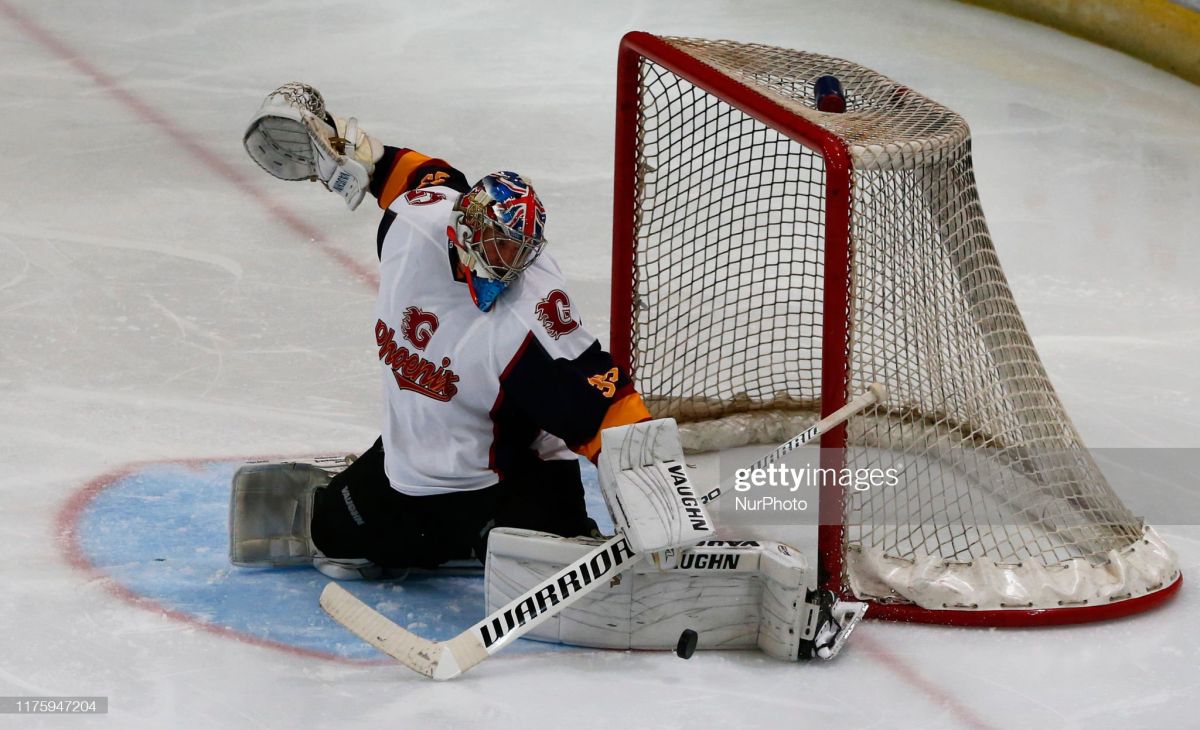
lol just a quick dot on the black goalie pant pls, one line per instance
(360, 515)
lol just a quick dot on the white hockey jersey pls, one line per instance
(471, 396)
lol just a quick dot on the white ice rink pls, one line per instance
(161, 300)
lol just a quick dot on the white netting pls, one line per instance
(728, 320)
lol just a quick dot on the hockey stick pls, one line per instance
(446, 660)
(875, 393)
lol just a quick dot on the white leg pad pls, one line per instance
(270, 509)
(735, 595)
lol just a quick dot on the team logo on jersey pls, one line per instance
(418, 326)
(413, 372)
(554, 312)
(423, 197)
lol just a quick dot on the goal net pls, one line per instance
(771, 260)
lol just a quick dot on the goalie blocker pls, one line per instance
(646, 487)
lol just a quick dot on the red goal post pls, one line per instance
(769, 259)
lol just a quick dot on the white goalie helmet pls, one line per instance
(499, 232)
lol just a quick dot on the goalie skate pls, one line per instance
(835, 621)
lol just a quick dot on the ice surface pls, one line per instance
(163, 301)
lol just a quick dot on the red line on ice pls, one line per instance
(205, 156)
(909, 674)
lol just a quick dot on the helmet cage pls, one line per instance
(501, 209)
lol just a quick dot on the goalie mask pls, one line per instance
(498, 231)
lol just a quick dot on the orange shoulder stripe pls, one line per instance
(400, 176)
(622, 412)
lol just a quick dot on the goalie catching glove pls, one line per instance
(293, 137)
(646, 487)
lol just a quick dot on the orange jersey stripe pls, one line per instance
(623, 412)
(401, 178)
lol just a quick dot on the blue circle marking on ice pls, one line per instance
(161, 532)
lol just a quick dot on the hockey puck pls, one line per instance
(687, 644)
(828, 95)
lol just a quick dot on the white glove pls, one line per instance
(645, 484)
(338, 164)
(291, 138)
